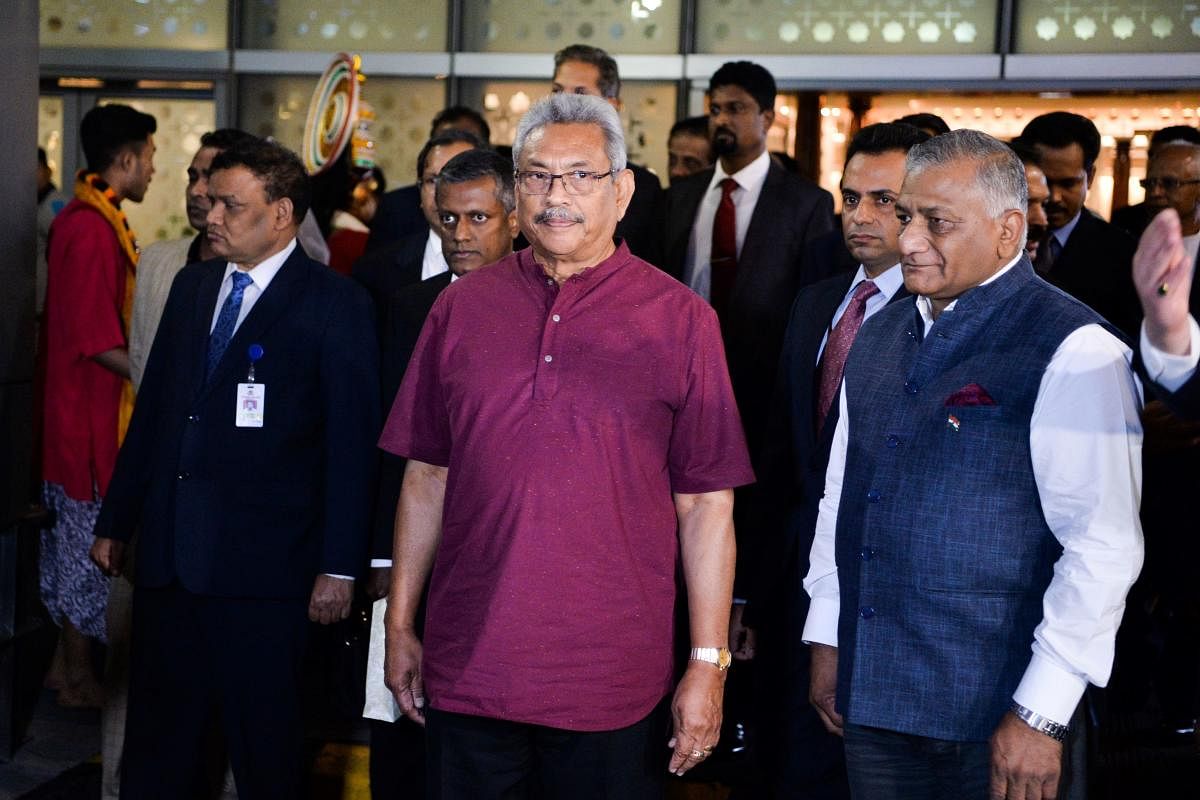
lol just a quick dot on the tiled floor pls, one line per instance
(57, 740)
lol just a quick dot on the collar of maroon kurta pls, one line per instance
(585, 280)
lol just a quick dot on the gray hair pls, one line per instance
(563, 108)
(999, 175)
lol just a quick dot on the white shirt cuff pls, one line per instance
(822, 623)
(1050, 690)
(1171, 371)
(376, 563)
(339, 577)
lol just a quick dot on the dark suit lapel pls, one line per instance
(1194, 298)
(758, 235)
(205, 307)
(267, 310)
(686, 198)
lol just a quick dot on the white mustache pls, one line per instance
(557, 212)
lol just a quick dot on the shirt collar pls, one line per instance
(925, 305)
(618, 258)
(1064, 233)
(264, 271)
(888, 282)
(750, 177)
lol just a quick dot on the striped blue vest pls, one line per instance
(943, 552)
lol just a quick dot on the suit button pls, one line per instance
(866, 612)
(183, 476)
(873, 496)
(911, 387)
(893, 441)
(193, 417)
(866, 554)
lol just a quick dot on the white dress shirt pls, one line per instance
(888, 283)
(750, 178)
(433, 262)
(261, 276)
(1085, 440)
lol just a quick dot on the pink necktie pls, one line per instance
(833, 362)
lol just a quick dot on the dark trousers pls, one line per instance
(476, 758)
(200, 659)
(397, 763)
(886, 765)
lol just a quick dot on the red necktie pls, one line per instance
(833, 361)
(723, 260)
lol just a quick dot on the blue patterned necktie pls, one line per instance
(222, 332)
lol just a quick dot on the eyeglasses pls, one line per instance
(575, 182)
(1168, 184)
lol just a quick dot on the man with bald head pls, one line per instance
(979, 528)
(571, 431)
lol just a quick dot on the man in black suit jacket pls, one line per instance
(777, 215)
(418, 255)
(400, 215)
(477, 220)
(247, 470)
(1083, 255)
(800, 757)
(583, 69)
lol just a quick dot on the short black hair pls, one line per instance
(1063, 129)
(1174, 133)
(42, 159)
(926, 122)
(691, 126)
(1026, 152)
(225, 138)
(280, 170)
(471, 165)
(610, 76)
(456, 113)
(108, 130)
(884, 137)
(448, 136)
(753, 78)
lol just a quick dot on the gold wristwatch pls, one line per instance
(713, 655)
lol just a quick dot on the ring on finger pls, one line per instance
(698, 754)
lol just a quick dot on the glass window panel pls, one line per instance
(873, 27)
(50, 137)
(159, 24)
(538, 26)
(648, 113)
(1108, 26)
(358, 25)
(404, 108)
(181, 123)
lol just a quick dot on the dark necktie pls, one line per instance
(1047, 254)
(723, 259)
(222, 332)
(833, 361)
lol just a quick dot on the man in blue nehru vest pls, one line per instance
(979, 528)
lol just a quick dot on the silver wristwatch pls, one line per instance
(718, 656)
(1055, 730)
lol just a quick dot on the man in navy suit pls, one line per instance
(247, 472)
(799, 757)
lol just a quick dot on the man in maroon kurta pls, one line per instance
(571, 430)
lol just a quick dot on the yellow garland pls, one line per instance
(91, 189)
